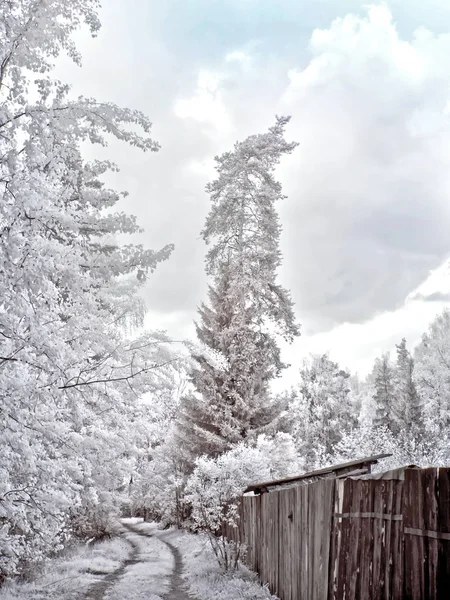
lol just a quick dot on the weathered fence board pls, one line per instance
(443, 525)
(427, 534)
(365, 551)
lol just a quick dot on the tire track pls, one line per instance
(178, 588)
(98, 590)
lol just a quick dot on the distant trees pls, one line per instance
(246, 305)
(397, 401)
(321, 409)
(407, 410)
(332, 413)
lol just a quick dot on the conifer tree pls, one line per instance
(246, 305)
(321, 408)
(384, 392)
(407, 413)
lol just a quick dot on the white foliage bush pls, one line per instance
(159, 485)
(216, 485)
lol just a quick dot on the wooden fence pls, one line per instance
(363, 538)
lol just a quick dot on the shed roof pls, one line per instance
(355, 467)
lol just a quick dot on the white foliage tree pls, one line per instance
(321, 409)
(369, 440)
(432, 372)
(68, 372)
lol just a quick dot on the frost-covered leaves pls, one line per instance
(69, 292)
(367, 440)
(321, 409)
(432, 371)
(34, 32)
(216, 485)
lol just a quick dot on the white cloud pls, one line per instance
(206, 105)
(357, 345)
(237, 56)
(367, 215)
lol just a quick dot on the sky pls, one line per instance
(366, 221)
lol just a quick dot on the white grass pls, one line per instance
(70, 576)
(205, 579)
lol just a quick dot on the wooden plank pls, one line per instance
(344, 548)
(283, 552)
(248, 503)
(304, 590)
(377, 529)
(293, 541)
(259, 532)
(354, 525)
(364, 580)
(414, 550)
(299, 535)
(388, 502)
(430, 518)
(328, 507)
(286, 545)
(263, 537)
(311, 540)
(443, 525)
(318, 490)
(334, 540)
(397, 544)
(275, 549)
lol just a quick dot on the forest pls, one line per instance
(101, 417)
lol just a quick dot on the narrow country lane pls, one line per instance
(151, 572)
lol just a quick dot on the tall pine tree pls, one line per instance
(384, 397)
(247, 308)
(407, 410)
